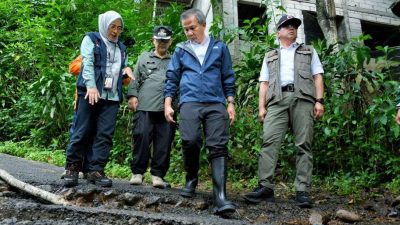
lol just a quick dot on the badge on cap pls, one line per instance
(162, 33)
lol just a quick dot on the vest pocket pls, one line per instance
(304, 57)
(271, 92)
(306, 83)
(272, 58)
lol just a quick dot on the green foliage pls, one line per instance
(350, 184)
(23, 149)
(356, 143)
(37, 45)
(394, 185)
(357, 133)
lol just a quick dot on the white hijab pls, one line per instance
(114, 53)
(105, 20)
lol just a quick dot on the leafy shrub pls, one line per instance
(356, 142)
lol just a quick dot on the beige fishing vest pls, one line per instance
(304, 87)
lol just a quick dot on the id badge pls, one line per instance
(108, 83)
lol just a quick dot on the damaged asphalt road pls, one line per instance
(126, 204)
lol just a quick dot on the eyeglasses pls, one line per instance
(115, 27)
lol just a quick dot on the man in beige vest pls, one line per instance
(291, 95)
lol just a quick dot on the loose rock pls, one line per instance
(315, 219)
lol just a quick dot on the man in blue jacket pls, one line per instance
(201, 68)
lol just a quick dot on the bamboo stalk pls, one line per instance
(30, 189)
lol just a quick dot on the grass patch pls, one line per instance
(338, 183)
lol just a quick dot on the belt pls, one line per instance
(289, 87)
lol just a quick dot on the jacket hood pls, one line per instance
(105, 20)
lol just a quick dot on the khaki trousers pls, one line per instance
(298, 114)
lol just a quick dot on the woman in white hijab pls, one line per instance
(99, 88)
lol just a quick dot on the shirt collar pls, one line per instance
(293, 45)
(152, 54)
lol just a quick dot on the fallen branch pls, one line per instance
(37, 192)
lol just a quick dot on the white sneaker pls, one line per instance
(158, 182)
(137, 179)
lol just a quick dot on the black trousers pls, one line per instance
(213, 120)
(87, 154)
(96, 123)
(151, 128)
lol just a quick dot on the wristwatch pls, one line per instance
(231, 102)
(320, 100)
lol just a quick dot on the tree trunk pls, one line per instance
(326, 14)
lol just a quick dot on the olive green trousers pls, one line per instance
(299, 116)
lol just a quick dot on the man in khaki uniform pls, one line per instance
(146, 96)
(291, 91)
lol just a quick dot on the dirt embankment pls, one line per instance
(93, 205)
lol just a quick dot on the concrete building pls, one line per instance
(373, 17)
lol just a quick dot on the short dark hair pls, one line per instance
(201, 18)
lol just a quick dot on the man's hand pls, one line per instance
(261, 113)
(231, 112)
(318, 110)
(168, 111)
(398, 117)
(128, 71)
(92, 95)
(169, 114)
(133, 103)
(262, 101)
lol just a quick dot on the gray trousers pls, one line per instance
(298, 114)
(210, 120)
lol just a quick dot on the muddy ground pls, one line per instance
(93, 205)
(126, 204)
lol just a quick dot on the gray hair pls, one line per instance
(197, 13)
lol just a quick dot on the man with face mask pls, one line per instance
(147, 99)
(99, 88)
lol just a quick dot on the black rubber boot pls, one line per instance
(221, 204)
(190, 187)
(191, 165)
